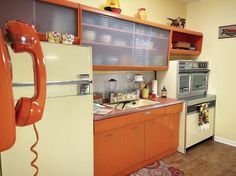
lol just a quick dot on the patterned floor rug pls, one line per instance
(158, 169)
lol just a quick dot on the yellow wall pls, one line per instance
(157, 10)
(206, 16)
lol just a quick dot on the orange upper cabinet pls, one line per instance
(124, 43)
(186, 42)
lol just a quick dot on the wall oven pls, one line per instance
(192, 78)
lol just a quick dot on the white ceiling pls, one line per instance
(188, 1)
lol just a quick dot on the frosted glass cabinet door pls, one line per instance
(111, 39)
(151, 45)
(119, 42)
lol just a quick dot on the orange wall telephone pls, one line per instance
(28, 110)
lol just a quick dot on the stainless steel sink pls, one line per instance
(133, 104)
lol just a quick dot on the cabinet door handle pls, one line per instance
(147, 113)
(108, 135)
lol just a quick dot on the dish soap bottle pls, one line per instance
(164, 93)
(145, 92)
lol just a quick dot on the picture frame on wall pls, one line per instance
(228, 31)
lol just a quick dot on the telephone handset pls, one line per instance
(7, 111)
(24, 38)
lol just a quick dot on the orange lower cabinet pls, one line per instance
(135, 139)
(109, 152)
(170, 131)
(153, 137)
(176, 129)
(134, 144)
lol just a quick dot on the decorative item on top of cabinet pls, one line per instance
(189, 43)
(178, 22)
(142, 14)
(124, 43)
(113, 6)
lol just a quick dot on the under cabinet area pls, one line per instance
(125, 143)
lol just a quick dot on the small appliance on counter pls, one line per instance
(188, 81)
(112, 88)
(97, 97)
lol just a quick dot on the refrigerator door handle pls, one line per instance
(52, 83)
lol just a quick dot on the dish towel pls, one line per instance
(204, 117)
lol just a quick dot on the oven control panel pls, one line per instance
(193, 66)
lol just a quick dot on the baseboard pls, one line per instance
(225, 141)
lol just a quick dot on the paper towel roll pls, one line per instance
(154, 87)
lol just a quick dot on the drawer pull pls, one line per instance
(147, 113)
(108, 135)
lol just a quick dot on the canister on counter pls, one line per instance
(145, 92)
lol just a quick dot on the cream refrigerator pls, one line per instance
(65, 144)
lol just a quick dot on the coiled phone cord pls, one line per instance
(32, 148)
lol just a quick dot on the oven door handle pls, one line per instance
(202, 104)
(200, 86)
(184, 88)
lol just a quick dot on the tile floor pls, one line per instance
(206, 159)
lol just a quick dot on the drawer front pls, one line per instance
(124, 120)
(174, 108)
(118, 122)
(153, 113)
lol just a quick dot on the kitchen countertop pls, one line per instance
(116, 112)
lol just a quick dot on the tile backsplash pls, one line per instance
(124, 80)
